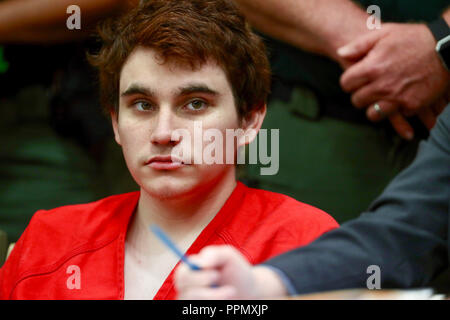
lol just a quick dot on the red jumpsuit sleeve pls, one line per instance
(9, 272)
(16, 264)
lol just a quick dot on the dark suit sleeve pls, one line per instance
(405, 231)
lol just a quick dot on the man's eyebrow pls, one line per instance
(196, 88)
(137, 89)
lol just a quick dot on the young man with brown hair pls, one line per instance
(166, 67)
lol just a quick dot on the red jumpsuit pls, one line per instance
(77, 252)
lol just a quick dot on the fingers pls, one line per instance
(185, 277)
(359, 47)
(221, 269)
(401, 126)
(357, 76)
(216, 256)
(368, 95)
(380, 110)
(383, 109)
(210, 260)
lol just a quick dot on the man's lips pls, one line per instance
(165, 163)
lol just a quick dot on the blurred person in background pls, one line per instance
(357, 114)
(53, 134)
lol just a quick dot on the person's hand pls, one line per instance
(398, 69)
(225, 274)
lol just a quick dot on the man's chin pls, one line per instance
(169, 191)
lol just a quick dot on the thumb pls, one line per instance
(360, 46)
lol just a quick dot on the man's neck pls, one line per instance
(185, 217)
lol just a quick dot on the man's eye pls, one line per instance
(143, 106)
(196, 105)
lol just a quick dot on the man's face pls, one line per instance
(155, 100)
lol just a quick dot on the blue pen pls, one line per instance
(165, 239)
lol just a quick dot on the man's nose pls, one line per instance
(162, 133)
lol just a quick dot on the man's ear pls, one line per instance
(251, 125)
(115, 125)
